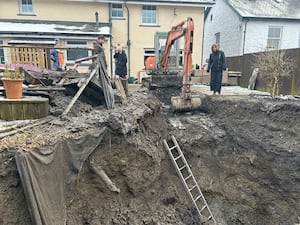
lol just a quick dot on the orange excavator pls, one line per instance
(186, 101)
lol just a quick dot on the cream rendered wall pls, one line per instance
(60, 10)
(57, 10)
(142, 37)
(8, 9)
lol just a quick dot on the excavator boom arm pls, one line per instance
(175, 33)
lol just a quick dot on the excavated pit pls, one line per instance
(244, 152)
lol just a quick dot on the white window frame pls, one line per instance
(274, 38)
(117, 10)
(26, 8)
(69, 44)
(181, 57)
(299, 40)
(145, 18)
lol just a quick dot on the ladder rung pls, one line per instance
(209, 218)
(197, 198)
(204, 207)
(178, 157)
(170, 149)
(192, 187)
(182, 167)
(189, 176)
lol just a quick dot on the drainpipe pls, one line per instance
(128, 36)
(110, 40)
(97, 18)
(206, 13)
(203, 30)
(244, 38)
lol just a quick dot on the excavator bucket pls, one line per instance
(184, 103)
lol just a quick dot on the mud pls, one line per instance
(244, 151)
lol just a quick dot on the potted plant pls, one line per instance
(12, 82)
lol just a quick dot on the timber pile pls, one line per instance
(94, 91)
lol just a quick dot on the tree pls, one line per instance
(273, 66)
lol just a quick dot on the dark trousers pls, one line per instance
(216, 81)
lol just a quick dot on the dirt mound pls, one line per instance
(244, 153)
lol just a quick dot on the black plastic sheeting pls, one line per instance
(47, 173)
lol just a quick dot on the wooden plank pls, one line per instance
(26, 54)
(12, 53)
(29, 111)
(21, 55)
(25, 108)
(17, 111)
(80, 90)
(36, 123)
(5, 111)
(47, 58)
(39, 58)
(119, 86)
(18, 55)
(47, 88)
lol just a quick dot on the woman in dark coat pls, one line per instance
(121, 61)
(216, 65)
(121, 67)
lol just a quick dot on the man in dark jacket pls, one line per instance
(121, 66)
(99, 49)
(216, 64)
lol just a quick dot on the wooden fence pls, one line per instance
(290, 85)
(39, 57)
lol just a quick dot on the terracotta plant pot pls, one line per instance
(13, 88)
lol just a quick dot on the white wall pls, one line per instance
(257, 35)
(231, 27)
(227, 22)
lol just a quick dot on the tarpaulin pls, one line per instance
(47, 173)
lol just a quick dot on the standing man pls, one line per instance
(54, 56)
(216, 64)
(99, 49)
(121, 66)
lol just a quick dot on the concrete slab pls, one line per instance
(227, 90)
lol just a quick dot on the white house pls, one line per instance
(248, 26)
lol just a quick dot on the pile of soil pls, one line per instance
(243, 151)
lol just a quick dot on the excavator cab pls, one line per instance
(160, 78)
(153, 63)
(160, 40)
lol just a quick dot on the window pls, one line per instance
(26, 7)
(2, 59)
(181, 57)
(117, 10)
(148, 52)
(274, 37)
(218, 36)
(299, 40)
(78, 50)
(149, 15)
